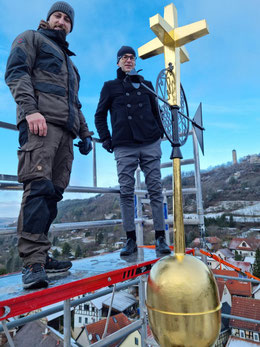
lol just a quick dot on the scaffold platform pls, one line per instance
(85, 276)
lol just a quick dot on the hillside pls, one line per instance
(226, 183)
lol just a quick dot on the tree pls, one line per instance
(3, 271)
(238, 257)
(256, 265)
(55, 253)
(78, 252)
(99, 238)
(55, 241)
(232, 223)
(66, 249)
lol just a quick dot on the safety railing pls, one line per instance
(9, 183)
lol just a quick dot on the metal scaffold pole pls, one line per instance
(140, 242)
(199, 199)
(67, 323)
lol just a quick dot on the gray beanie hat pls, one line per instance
(62, 6)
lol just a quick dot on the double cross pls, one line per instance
(170, 40)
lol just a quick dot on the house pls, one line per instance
(242, 265)
(225, 331)
(37, 333)
(92, 333)
(119, 244)
(224, 272)
(213, 263)
(94, 310)
(250, 260)
(228, 287)
(239, 288)
(248, 308)
(224, 294)
(150, 341)
(224, 253)
(226, 308)
(213, 243)
(123, 302)
(216, 264)
(256, 292)
(244, 246)
(238, 342)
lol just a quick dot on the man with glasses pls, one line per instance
(135, 139)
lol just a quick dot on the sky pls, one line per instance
(222, 73)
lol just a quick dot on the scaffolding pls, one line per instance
(133, 274)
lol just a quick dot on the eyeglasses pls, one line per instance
(126, 57)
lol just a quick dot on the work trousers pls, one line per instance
(149, 158)
(44, 169)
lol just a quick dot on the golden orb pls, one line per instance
(183, 302)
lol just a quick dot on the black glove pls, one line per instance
(107, 144)
(85, 146)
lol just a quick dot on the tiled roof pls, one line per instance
(122, 300)
(235, 287)
(213, 239)
(239, 288)
(226, 252)
(231, 273)
(244, 266)
(116, 323)
(210, 239)
(248, 308)
(253, 243)
(36, 333)
(221, 285)
(150, 338)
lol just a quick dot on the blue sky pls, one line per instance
(222, 73)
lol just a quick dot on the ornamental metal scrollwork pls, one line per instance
(164, 87)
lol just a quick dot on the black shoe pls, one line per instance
(53, 265)
(130, 247)
(34, 277)
(161, 246)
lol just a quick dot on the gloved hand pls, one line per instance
(85, 146)
(107, 144)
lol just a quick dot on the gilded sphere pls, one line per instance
(183, 302)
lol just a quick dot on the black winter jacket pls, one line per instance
(134, 113)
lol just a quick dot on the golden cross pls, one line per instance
(170, 40)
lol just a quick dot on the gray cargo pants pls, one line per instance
(44, 169)
(149, 158)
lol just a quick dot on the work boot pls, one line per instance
(54, 266)
(130, 247)
(161, 246)
(34, 276)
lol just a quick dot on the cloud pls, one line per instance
(9, 208)
(225, 125)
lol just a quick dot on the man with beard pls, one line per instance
(44, 83)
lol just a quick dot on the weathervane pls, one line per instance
(182, 296)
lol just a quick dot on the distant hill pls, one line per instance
(5, 222)
(227, 182)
